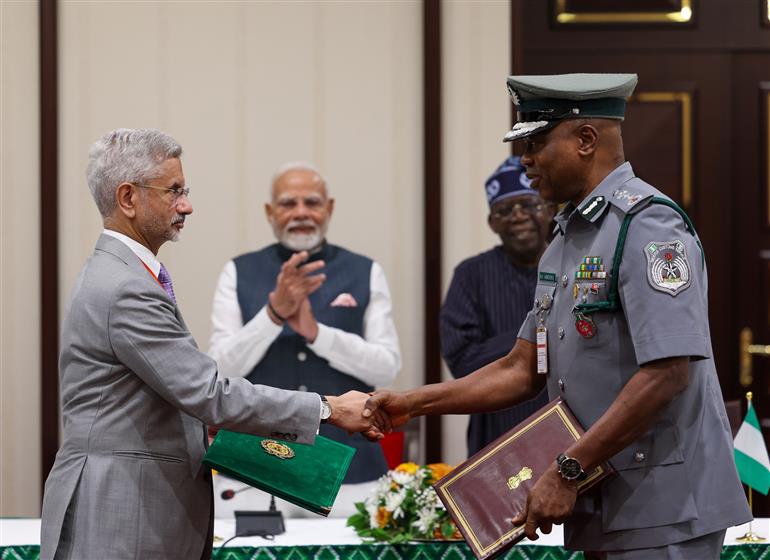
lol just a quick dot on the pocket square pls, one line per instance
(344, 300)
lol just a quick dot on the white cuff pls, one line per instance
(264, 324)
(323, 340)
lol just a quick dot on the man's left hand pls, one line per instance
(303, 321)
(550, 501)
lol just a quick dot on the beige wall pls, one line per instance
(19, 263)
(245, 87)
(476, 116)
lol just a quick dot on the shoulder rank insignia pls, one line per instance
(593, 207)
(629, 197)
(668, 269)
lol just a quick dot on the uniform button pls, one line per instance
(564, 281)
(302, 388)
(302, 356)
(561, 384)
(561, 333)
(639, 457)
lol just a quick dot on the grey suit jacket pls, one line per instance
(137, 395)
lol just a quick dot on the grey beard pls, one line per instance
(302, 241)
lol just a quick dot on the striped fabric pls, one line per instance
(487, 301)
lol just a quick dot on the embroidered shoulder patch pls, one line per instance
(668, 269)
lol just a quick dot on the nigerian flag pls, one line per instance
(751, 454)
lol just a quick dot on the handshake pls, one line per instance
(373, 415)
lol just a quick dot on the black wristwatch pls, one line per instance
(570, 468)
(326, 410)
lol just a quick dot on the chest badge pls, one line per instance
(585, 326)
(591, 268)
(668, 269)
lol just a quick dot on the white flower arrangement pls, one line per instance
(405, 507)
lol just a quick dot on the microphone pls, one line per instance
(256, 523)
(229, 494)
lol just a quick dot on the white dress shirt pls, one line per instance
(144, 254)
(374, 358)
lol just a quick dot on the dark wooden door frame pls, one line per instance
(49, 236)
(432, 220)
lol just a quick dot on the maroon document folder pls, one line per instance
(483, 493)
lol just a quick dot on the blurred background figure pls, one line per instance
(307, 315)
(491, 293)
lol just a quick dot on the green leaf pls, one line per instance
(358, 521)
(400, 538)
(380, 534)
(361, 508)
(447, 530)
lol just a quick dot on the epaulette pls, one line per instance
(632, 196)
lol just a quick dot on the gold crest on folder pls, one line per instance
(524, 474)
(278, 449)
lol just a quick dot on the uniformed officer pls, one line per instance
(619, 330)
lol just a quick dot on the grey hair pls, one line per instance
(126, 155)
(296, 166)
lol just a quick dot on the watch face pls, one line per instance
(326, 410)
(570, 468)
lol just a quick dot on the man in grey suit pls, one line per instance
(137, 393)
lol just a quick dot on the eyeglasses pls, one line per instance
(177, 191)
(526, 206)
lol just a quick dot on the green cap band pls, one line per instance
(546, 109)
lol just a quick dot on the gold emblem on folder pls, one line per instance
(524, 474)
(278, 449)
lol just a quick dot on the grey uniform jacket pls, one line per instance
(136, 395)
(679, 480)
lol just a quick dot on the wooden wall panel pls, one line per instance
(717, 66)
(658, 139)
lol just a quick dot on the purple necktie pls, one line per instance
(165, 280)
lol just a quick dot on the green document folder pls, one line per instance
(310, 478)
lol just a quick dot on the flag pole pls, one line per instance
(750, 536)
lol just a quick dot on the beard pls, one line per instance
(168, 232)
(301, 241)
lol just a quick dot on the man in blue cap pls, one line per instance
(620, 331)
(491, 293)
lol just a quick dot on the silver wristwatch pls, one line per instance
(326, 410)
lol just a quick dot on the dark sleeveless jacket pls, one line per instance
(289, 363)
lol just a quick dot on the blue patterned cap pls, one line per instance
(508, 180)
